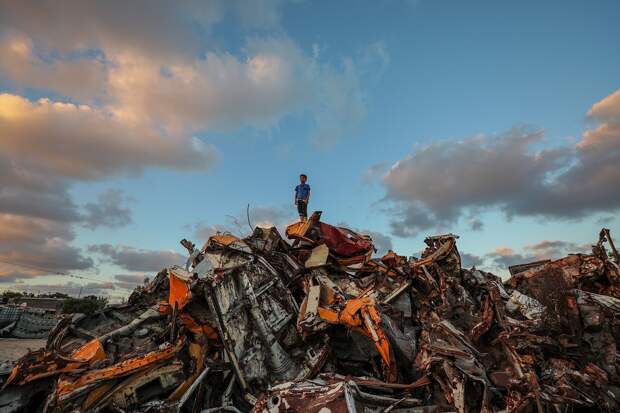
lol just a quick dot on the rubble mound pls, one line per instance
(317, 325)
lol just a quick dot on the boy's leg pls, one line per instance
(300, 210)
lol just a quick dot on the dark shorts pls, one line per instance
(302, 208)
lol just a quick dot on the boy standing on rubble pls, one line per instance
(302, 196)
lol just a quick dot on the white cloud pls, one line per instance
(78, 78)
(475, 224)
(84, 142)
(154, 69)
(109, 211)
(441, 182)
(137, 259)
(470, 260)
(43, 246)
(156, 27)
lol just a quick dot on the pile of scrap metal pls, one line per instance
(258, 324)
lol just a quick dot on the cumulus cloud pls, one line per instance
(136, 259)
(475, 224)
(273, 78)
(158, 27)
(42, 246)
(607, 109)
(142, 69)
(46, 146)
(376, 171)
(408, 220)
(83, 142)
(557, 248)
(24, 231)
(28, 190)
(58, 206)
(504, 257)
(470, 260)
(80, 78)
(156, 70)
(605, 220)
(218, 91)
(437, 184)
(543, 250)
(8, 274)
(108, 211)
(37, 215)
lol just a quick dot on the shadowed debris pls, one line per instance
(317, 325)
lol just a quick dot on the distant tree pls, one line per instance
(87, 305)
(11, 294)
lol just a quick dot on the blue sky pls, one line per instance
(331, 89)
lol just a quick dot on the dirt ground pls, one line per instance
(14, 348)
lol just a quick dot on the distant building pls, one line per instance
(54, 304)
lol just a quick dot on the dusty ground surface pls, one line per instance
(14, 348)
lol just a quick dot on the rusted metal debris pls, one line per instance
(258, 324)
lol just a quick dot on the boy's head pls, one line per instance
(303, 178)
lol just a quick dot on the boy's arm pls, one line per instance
(308, 197)
(295, 196)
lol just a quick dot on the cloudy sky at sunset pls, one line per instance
(126, 126)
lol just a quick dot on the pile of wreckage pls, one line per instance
(317, 325)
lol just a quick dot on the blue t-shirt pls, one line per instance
(302, 191)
